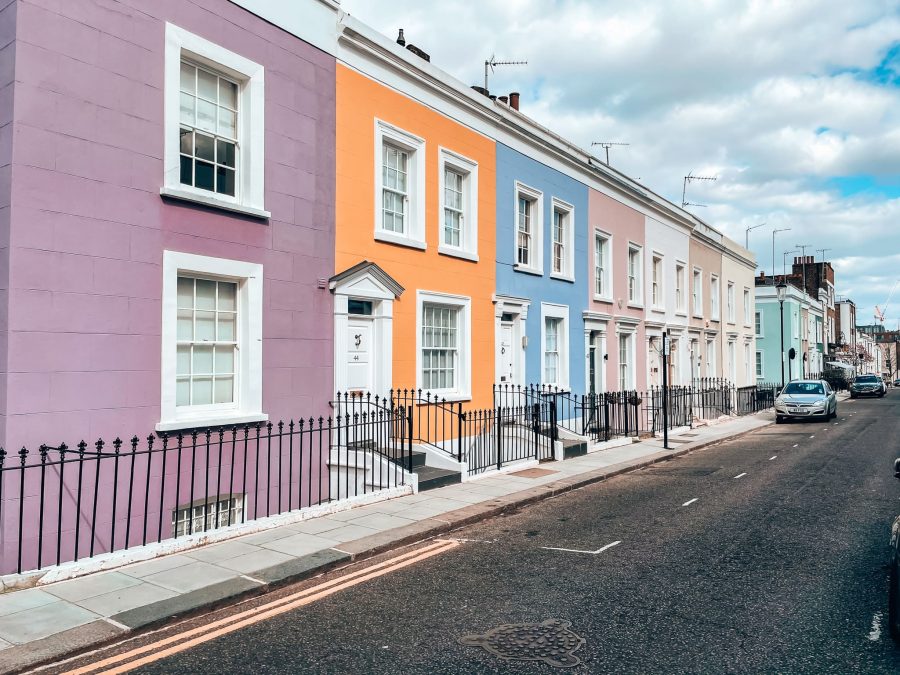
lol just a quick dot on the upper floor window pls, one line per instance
(459, 206)
(714, 298)
(759, 324)
(656, 288)
(399, 186)
(563, 241)
(634, 273)
(214, 133)
(697, 293)
(529, 229)
(602, 283)
(679, 287)
(730, 301)
(747, 306)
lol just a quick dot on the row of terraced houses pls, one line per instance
(222, 212)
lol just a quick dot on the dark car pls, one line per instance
(897, 382)
(867, 385)
(894, 579)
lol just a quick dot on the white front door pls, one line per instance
(506, 356)
(359, 354)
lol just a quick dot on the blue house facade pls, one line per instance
(542, 267)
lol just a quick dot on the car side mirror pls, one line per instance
(897, 468)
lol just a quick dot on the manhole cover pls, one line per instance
(550, 641)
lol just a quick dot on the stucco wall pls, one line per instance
(709, 260)
(513, 166)
(90, 227)
(7, 81)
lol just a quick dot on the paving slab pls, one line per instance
(190, 577)
(224, 551)
(381, 521)
(42, 621)
(161, 564)
(89, 586)
(249, 563)
(68, 641)
(301, 544)
(124, 599)
(20, 601)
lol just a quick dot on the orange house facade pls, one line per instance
(415, 247)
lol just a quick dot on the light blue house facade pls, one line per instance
(542, 273)
(802, 333)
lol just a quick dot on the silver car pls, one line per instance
(806, 398)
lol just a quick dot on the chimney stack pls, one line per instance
(514, 100)
(400, 39)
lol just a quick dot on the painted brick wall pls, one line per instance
(89, 227)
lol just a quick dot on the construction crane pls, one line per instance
(879, 313)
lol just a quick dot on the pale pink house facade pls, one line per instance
(614, 321)
(167, 218)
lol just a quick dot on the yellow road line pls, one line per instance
(195, 636)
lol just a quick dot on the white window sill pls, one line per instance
(634, 305)
(715, 318)
(528, 270)
(454, 252)
(680, 312)
(212, 201)
(445, 396)
(657, 308)
(698, 316)
(399, 240)
(217, 421)
(603, 298)
(562, 277)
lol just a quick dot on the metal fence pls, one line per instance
(63, 503)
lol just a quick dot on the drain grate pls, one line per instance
(550, 641)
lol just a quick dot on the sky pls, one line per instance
(794, 106)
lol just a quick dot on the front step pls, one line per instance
(573, 448)
(431, 477)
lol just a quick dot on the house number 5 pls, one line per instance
(358, 338)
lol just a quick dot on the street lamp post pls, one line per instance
(781, 292)
(774, 232)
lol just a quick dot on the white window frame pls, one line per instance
(697, 292)
(247, 406)
(463, 389)
(606, 266)
(637, 300)
(630, 370)
(730, 301)
(553, 311)
(714, 300)
(656, 277)
(731, 352)
(249, 195)
(414, 235)
(468, 238)
(760, 366)
(711, 360)
(747, 307)
(761, 331)
(748, 368)
(680, 287)
(536, 266)
(567, 273)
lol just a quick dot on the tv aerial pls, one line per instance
(688, 179)
(492, 62)
(606, 145)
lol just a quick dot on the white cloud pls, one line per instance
(768, 94)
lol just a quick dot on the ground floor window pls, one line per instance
(759, 365)
(624, 362)
(444, 344)
(551, 350)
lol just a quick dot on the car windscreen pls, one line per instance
(804, 388)
(867, 379)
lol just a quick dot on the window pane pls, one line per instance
(227, 123)
(224, 360)
(188, 74)
(183, 361)
(187, 171)
(225, 153)
(204, 147)
(203, 175)
(227, 296)
(203, 360)
(186, 108)
(183, 392)
(185, 329)
(207, 85)
(224, 392)
(202, 391)
(228, 93)
(206, 115)
(227, 331)
(187, 141)
(205, 326)
(185, 292)
(206, 294)
(225, 181)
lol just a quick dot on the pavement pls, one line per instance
(46, 623)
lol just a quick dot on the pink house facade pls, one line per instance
(614, 321)
(167, 233)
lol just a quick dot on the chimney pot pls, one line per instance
(480, 90)
(503, 99)
(400, 39)
(514, 100)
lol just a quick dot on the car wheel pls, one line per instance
(779, 419)
(852, 395)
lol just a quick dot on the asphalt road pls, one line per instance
(779, 570)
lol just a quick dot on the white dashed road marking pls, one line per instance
(796, 444)
(741, 475)
(772, 457)
(690, 501)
